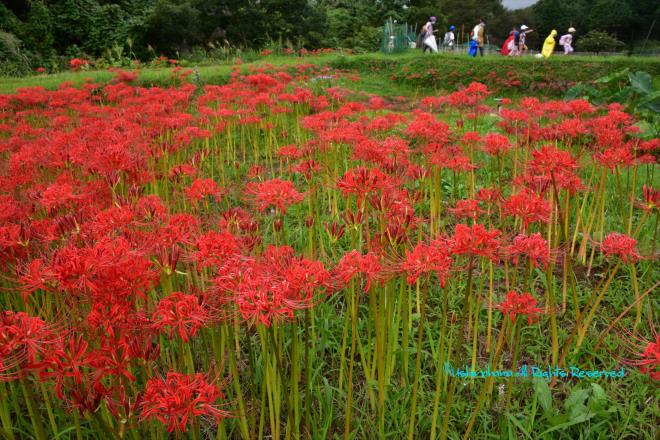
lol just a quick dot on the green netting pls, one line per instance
(397, 37)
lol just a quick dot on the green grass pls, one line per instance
(390, 75)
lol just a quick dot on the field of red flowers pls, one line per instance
(272, 258)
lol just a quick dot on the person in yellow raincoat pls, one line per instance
(549, 44)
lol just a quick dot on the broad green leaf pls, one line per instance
(641, 82)
(651, 101)
(613, 76)
(599, 397)
(577, 397)
(581, 91)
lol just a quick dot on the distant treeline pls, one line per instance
(38, 30)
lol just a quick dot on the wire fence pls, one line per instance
(397, 37)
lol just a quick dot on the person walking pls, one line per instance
(450, 38)
(514, 45)
(549, 44)
(428, 39)
(509, 43)
(566, 40)
(478, 35)
(522, 46)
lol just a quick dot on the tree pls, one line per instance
(599, 41)
(37, 32)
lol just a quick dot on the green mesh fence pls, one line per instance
(397, 37)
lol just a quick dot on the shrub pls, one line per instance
(15, 62)
(599, 41)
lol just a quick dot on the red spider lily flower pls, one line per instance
(354, 263)
(260, 297)
(22, 339)
(646, 353)
(426, 126)
(551, 162)
(489, 195)
(111, 360)
(471, 96)
(58, 196)
(622, 246)
(651, 199)
(275, 193)
(201, 188)
(150, 207)
(363, 182)
(36, 276)
(427, 258)
(452, 159)
(183, 169)
(272, 286)
(168, 257)
(123, 406)
(471, 138)
(495, 143)
(178, 398)
(182, 313)
(529, 206)
(68, 361)
(78, 64)
(615, 157)
(307, 168)
(290, 152)
(40, 70)
(468, 208)
(303, 277)
(475, 240)
(215, 248)
(353, 219)
(550, 159)
(335, 231)
(649, 362)
(519, 304)
(535, 247)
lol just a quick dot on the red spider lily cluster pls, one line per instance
(78, 64)
(153, 240)
(519, 304)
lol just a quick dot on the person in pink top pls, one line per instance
(567, 41)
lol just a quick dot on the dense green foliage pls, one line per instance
(49, 32)
(599, 41)
(628, 20)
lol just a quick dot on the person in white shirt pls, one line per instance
(427, 31)
(478, 35)
(450, 38)
(524, 30)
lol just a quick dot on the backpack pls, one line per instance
(562, 40)
(447, 38)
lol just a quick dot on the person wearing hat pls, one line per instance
(524, 30)
(567, 41)
(428, 31)
(450, 38)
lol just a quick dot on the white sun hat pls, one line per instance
(523, 28)
(571, 29)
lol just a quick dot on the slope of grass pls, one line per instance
(407, 74)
